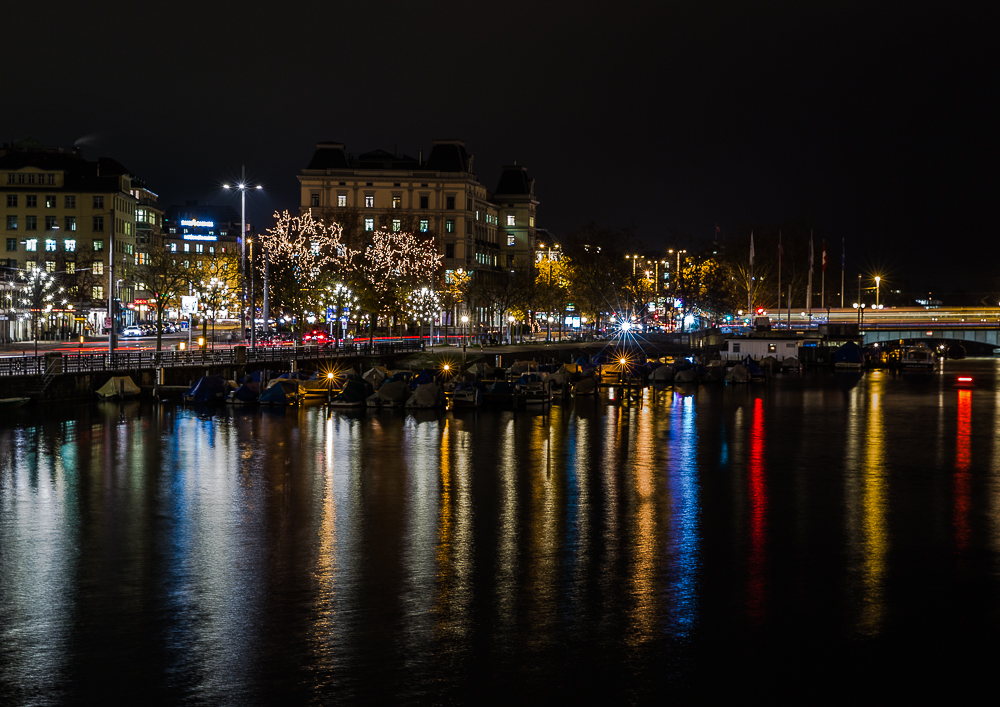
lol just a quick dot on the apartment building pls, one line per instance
(475, 229)
(67, 215)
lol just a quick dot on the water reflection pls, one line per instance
(757, 488)
(236, 555)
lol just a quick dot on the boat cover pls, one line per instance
(377, 376)
(393, 392)
(255, 376)
(208, 389)
(480, 369)
(113, 388)
(737, 374)
(281, 391)
(521, 366)
(585, 385)
(663, 374)
(247, 393)
(848, 353)
(355, 390)
(427, 395)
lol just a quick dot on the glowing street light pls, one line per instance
(242, 186)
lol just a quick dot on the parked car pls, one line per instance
(133, 331)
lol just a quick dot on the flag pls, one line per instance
(824, 255)
(781, 251)
(751, 248)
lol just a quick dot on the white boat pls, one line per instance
(9, 403)
(917, 358)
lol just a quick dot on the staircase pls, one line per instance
(53, 369)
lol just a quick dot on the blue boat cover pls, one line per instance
(248, 392)
(208, 389)
(848, 353)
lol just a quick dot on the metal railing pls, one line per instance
(138, 360)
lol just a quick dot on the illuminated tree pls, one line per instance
(454, 293)
(396, 264)
(302, 253)
(38, 296)
(424, 306)
(166, 279)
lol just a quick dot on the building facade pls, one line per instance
(476, 230)
(66, 215)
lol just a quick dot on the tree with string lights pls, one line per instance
(397, 263)
(303, 253)
(38, 296)
(424, 307)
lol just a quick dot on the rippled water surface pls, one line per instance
(820, 534)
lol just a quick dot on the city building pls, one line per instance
(67, 215)
(476, 230)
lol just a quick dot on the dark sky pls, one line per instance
(874, 122)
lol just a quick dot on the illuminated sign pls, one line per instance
(199, 237)
(198, 224)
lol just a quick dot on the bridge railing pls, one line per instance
(140, 360)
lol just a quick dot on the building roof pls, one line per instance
(329, 155)
(515, 181)
(448, 156)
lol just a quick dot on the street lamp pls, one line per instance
(861, 314)
(877, 280)
(510, 329)
(242, 186)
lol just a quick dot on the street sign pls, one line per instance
(189, 304)
(329, 312)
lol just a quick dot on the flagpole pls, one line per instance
(843, 263)
(750, 282)
(822, 294)
(809, 282)
(779, 276)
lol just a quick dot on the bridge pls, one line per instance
(910, 324)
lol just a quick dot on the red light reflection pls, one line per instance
(962, 491)
(758, 513)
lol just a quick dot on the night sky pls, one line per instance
(873, 122)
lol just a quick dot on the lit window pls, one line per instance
(396, 225)
(71, 223)
(510, 219)
(29, 265)
(69, 246)
(314, 247)
(50, 245)
(70, 267)
(50, 201)
(477, 214)
(510, 240)
(341, 200)
(173, 247)
(369, 224)
(199, 248)
(98, 245)
(98, 267)
(424, 225)
(12, 223)
(397, 201)
(97, 292)
(449, 226)
(369, 201)
(531, 221)
(31, 245)
(187, 247)
(50, 266)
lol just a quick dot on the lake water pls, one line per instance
(821, 534)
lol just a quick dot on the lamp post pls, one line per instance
(861, 314)
(242, 186)
(877, 280)
(510, 329)
(465, 325)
